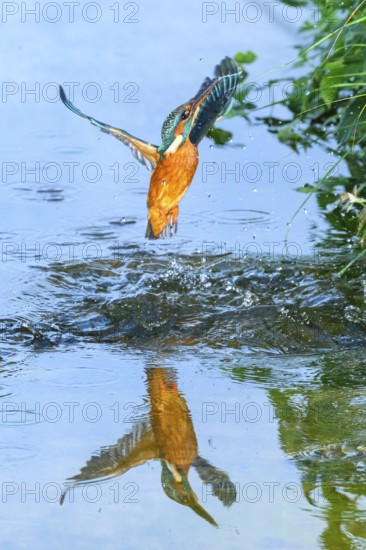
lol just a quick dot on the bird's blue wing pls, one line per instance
(214, 98)
(146, 153)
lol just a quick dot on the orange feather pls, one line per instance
(169, 183)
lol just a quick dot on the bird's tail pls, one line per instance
(169, 230)
(149, 233)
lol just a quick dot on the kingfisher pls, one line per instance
(166, 433)
(174, 163)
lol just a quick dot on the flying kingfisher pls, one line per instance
(174, 162)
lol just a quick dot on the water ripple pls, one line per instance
(257, 306)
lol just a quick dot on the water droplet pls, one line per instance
(305, 211)
(211, 146)
(164, 182)
(254, 189)
(288, 224)
(244, 147)
(122, 220)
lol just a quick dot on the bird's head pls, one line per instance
(176, 128)
(176, 486)
(193, 119)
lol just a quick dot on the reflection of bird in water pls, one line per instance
(174, 163)
(167, 436)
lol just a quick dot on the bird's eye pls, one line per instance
(185, 115)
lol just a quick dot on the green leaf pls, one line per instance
(219, 136)
(306, 188)
(245, 57)
(334, 74)
(351, 122)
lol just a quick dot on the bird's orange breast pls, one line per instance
(171, 421)
(172, 177)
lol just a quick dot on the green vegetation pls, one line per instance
(327, 106)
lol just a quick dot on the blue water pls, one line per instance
(88, 306)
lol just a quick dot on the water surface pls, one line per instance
(108, 342)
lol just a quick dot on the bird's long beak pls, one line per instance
(199, 510)
(177, 487)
